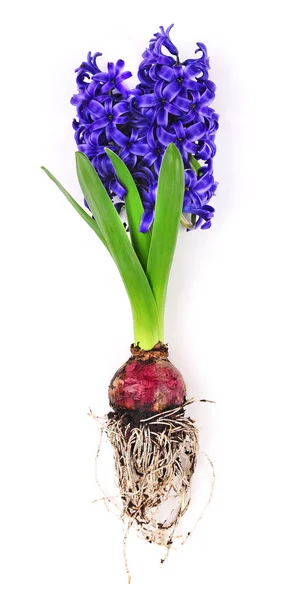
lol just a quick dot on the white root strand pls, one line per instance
(154, 464)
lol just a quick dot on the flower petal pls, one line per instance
(107, 86)
(102, 77)
(171, 90)
(206, 212)
(195, 132)
(158, 89)
(121, 139)
(192, 85)
(190, 147)
(206, 225)
(179, 130)
(146, 100)
(192, 69)
(77, 99)
(162, 116)
(151, 138)
(182, 103)
(149, 158)
(111, 70)
(98, 124)
(119, 66)
(172, 109)
(146, 220)
(120, 108)
(122, 120)
(165, 137)
(108, 105)
(123, 76)
(122, 89)
(139, 148)
(117, 188)
(166, 73)
(205, 183)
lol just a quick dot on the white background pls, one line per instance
(230, 322)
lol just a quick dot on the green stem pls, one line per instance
(145, 335)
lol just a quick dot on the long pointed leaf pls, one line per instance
(77, 207)
(145, 315)
(194, 163)
(168, 211)
(140, 241)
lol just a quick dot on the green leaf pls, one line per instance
(168, 211)
(194, 163)
(77, 207)
(144, 310)
(140, 241)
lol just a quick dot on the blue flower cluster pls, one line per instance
(170, 104)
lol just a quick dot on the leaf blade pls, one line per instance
(87, 218)
(170, 194)
(194, 163)
(140, 241)
(144, 310)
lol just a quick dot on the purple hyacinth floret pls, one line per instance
(169, 104)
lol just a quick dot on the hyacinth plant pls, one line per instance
(149, 150)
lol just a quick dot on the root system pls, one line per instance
(154, 460)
